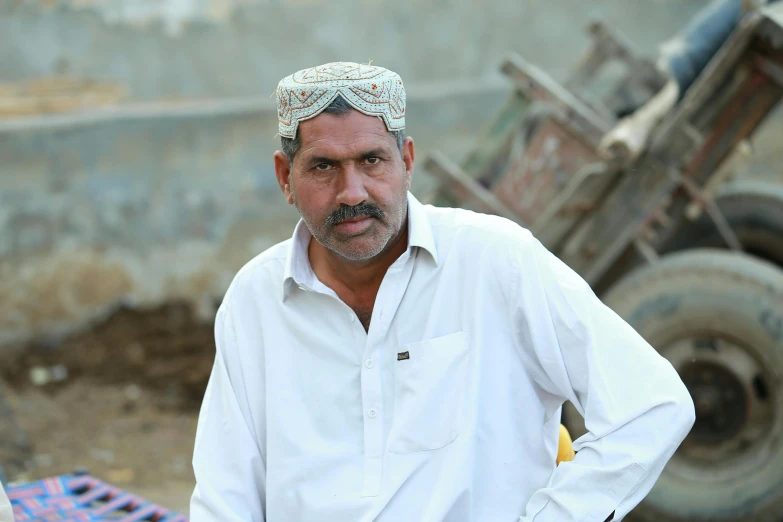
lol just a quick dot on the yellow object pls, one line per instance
(565, 447)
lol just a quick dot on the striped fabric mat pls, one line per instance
(71, 498)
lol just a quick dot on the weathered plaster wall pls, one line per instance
(140, 206)
(183, 48)
(166, 200)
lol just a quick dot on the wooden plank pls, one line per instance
(610, 230)
(489, 156)
(703, 89)
(539, 86)
(607, 45)
(508, 121)
(467, 189)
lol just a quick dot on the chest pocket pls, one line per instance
(429, 393)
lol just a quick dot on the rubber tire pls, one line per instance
(754, 209)
(679, 292)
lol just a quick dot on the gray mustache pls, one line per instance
(346, 212)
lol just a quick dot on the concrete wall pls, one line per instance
(141, 205)
(156, 200)
(185, 48)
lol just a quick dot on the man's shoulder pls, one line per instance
(468, 229)
(263, 271)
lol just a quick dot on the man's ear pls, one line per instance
(408, 156)
(283, 174)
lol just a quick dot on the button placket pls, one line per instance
(387, 301)
(372, 401)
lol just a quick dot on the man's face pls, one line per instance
(349, 183)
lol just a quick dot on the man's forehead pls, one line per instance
(343, 134)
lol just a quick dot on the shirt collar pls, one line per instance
(298, 271)
(419, 228)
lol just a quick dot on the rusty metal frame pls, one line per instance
(718, 219)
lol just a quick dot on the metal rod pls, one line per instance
(646, 250)
(720, 221)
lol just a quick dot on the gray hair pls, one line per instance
(338, 107)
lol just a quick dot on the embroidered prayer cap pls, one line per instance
(369, 89)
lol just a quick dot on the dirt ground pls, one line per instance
(128, 408)
(142, 448)
(164, 350)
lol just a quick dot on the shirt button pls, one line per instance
(369, 363)
(372, 413)
(353, 317)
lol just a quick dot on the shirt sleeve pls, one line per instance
(636, 408)
(229, 465)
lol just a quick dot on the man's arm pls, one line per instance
(228, 462)
(636, 408)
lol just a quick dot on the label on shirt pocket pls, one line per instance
(429, 393)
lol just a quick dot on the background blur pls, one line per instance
(136, 178)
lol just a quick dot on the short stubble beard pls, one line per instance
(322, 234)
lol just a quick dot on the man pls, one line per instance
(6, 511)
(398, 362)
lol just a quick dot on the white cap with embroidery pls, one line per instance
(369, 89)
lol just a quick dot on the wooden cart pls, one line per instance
(686, 255)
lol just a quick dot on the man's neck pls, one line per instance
(358, 277)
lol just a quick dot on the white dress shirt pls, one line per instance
(6, 512)
(448, 409)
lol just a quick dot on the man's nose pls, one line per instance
(352, 190)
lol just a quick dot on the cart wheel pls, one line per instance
(717, 316)
(754, 209)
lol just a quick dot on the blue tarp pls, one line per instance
(690, 52)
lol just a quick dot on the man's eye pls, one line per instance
(373, 160)
(322, 166)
